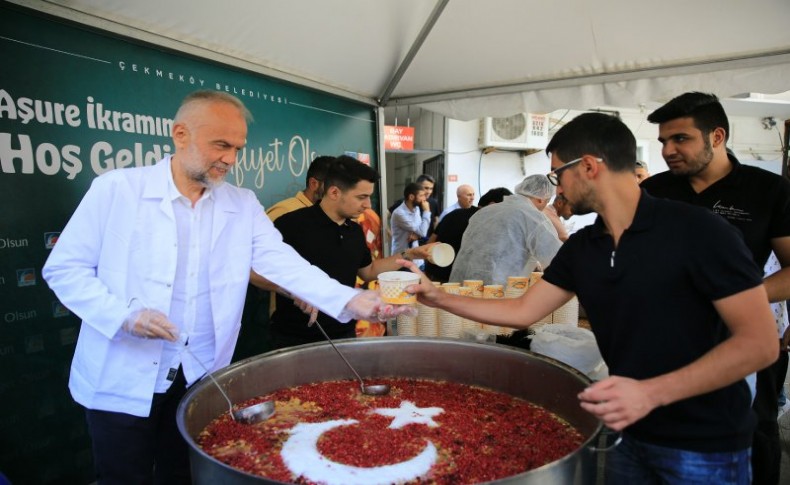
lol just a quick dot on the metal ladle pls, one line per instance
(248, 415)
(371, 390)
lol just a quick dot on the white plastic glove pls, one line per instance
(367, 305)
(147, 323)
(388, 312)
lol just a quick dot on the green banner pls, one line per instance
(75, 103)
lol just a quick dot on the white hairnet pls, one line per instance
(537, 186)
(506, 239)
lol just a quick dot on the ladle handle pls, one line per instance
(222, 391)
(230, 404)
(361, 382)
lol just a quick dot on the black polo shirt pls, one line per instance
(649, 302)
(754, 200)
(451, 231)
(338, 249)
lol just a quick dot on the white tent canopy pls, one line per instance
(468, 58)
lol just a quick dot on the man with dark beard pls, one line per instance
(693, 129)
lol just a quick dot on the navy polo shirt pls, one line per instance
(338, 249)
(754, 200)
(649, 302)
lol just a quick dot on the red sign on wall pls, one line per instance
(398, 137)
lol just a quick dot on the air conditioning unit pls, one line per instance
(518, 132)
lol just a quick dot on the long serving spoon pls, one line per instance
(370, 390)
(247, 415)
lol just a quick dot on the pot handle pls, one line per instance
(605, 435)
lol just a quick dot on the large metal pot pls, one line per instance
(520, 373)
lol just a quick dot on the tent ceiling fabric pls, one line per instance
(481, 58)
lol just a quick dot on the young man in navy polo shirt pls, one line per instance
(677, 306)
(693, 129)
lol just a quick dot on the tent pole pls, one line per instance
(415, 47)
(382, 157)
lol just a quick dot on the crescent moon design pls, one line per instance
(301, 456)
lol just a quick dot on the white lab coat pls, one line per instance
(121, 243)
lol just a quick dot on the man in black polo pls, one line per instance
(674, 300)
(693, 129)
(325, 236)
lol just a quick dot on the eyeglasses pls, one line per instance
(554, 175)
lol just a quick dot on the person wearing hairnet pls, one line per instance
(509, 239)
(558, 210)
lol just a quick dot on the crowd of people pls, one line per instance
(676, 276)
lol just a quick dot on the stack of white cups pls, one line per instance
(493, 291)
(427, 319)
(449, 323)
(407, 325)
(534, 277)
(477, 292)
(466, 324)
(567, 313)
(515, 287)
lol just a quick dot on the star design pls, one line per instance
(408, 413)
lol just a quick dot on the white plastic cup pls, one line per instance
(392, 286)
(441, 254)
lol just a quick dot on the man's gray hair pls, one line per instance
(537, 186)
(209, 96)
